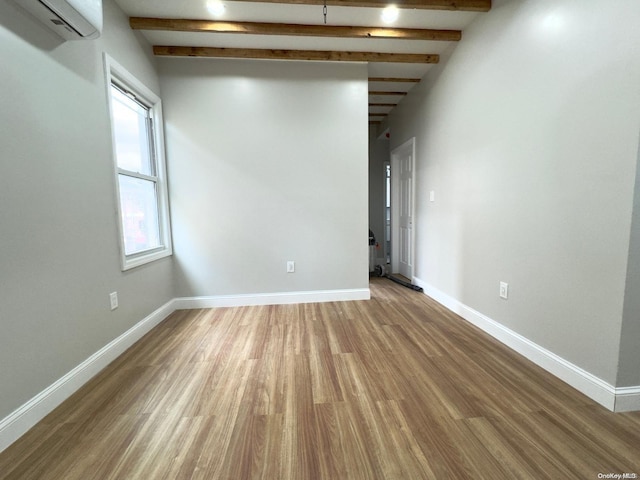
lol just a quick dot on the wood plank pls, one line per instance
(260, 28)
(394, 387)
(457, 5)
(315, 55)
(394, 79)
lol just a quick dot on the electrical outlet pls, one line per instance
(291, 266)
(113, 300)
(504, 290)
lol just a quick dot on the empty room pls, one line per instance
(298, 239)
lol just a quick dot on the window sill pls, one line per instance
(143, 258)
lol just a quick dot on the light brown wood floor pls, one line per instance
(392, 388)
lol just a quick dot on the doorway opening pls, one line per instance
(387, 213)
(401, 209)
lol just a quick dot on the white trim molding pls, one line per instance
(281, 298)
(627, 399)
(615, 399)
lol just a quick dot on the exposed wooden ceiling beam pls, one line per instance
(386, 93)
(253, 28)
(320, 55)
(460, 5)
(394, 79)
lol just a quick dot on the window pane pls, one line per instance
(131, 133)
(139, 207)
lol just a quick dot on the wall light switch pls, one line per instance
(113, 300)
(504, 290)
(432, 196)
(291, 266)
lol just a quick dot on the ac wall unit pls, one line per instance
(70, 19)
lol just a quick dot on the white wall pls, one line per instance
(58, 227)
(529, 137)
(629, 363)
(267, 163)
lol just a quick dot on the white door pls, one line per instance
(402, 165)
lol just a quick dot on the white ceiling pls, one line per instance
(308, 15)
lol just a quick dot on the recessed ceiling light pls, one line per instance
(215, 7)
(390, 14)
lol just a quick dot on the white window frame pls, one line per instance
(116, 74)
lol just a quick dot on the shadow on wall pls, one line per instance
(24, 25)
(77, 56)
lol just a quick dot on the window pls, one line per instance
(136, 128)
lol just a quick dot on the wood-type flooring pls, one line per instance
(396, 387)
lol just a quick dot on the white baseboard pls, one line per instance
(627, 399)
(615, 399)
(282, 298)
(25, 417)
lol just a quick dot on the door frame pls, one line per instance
(408, 147)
